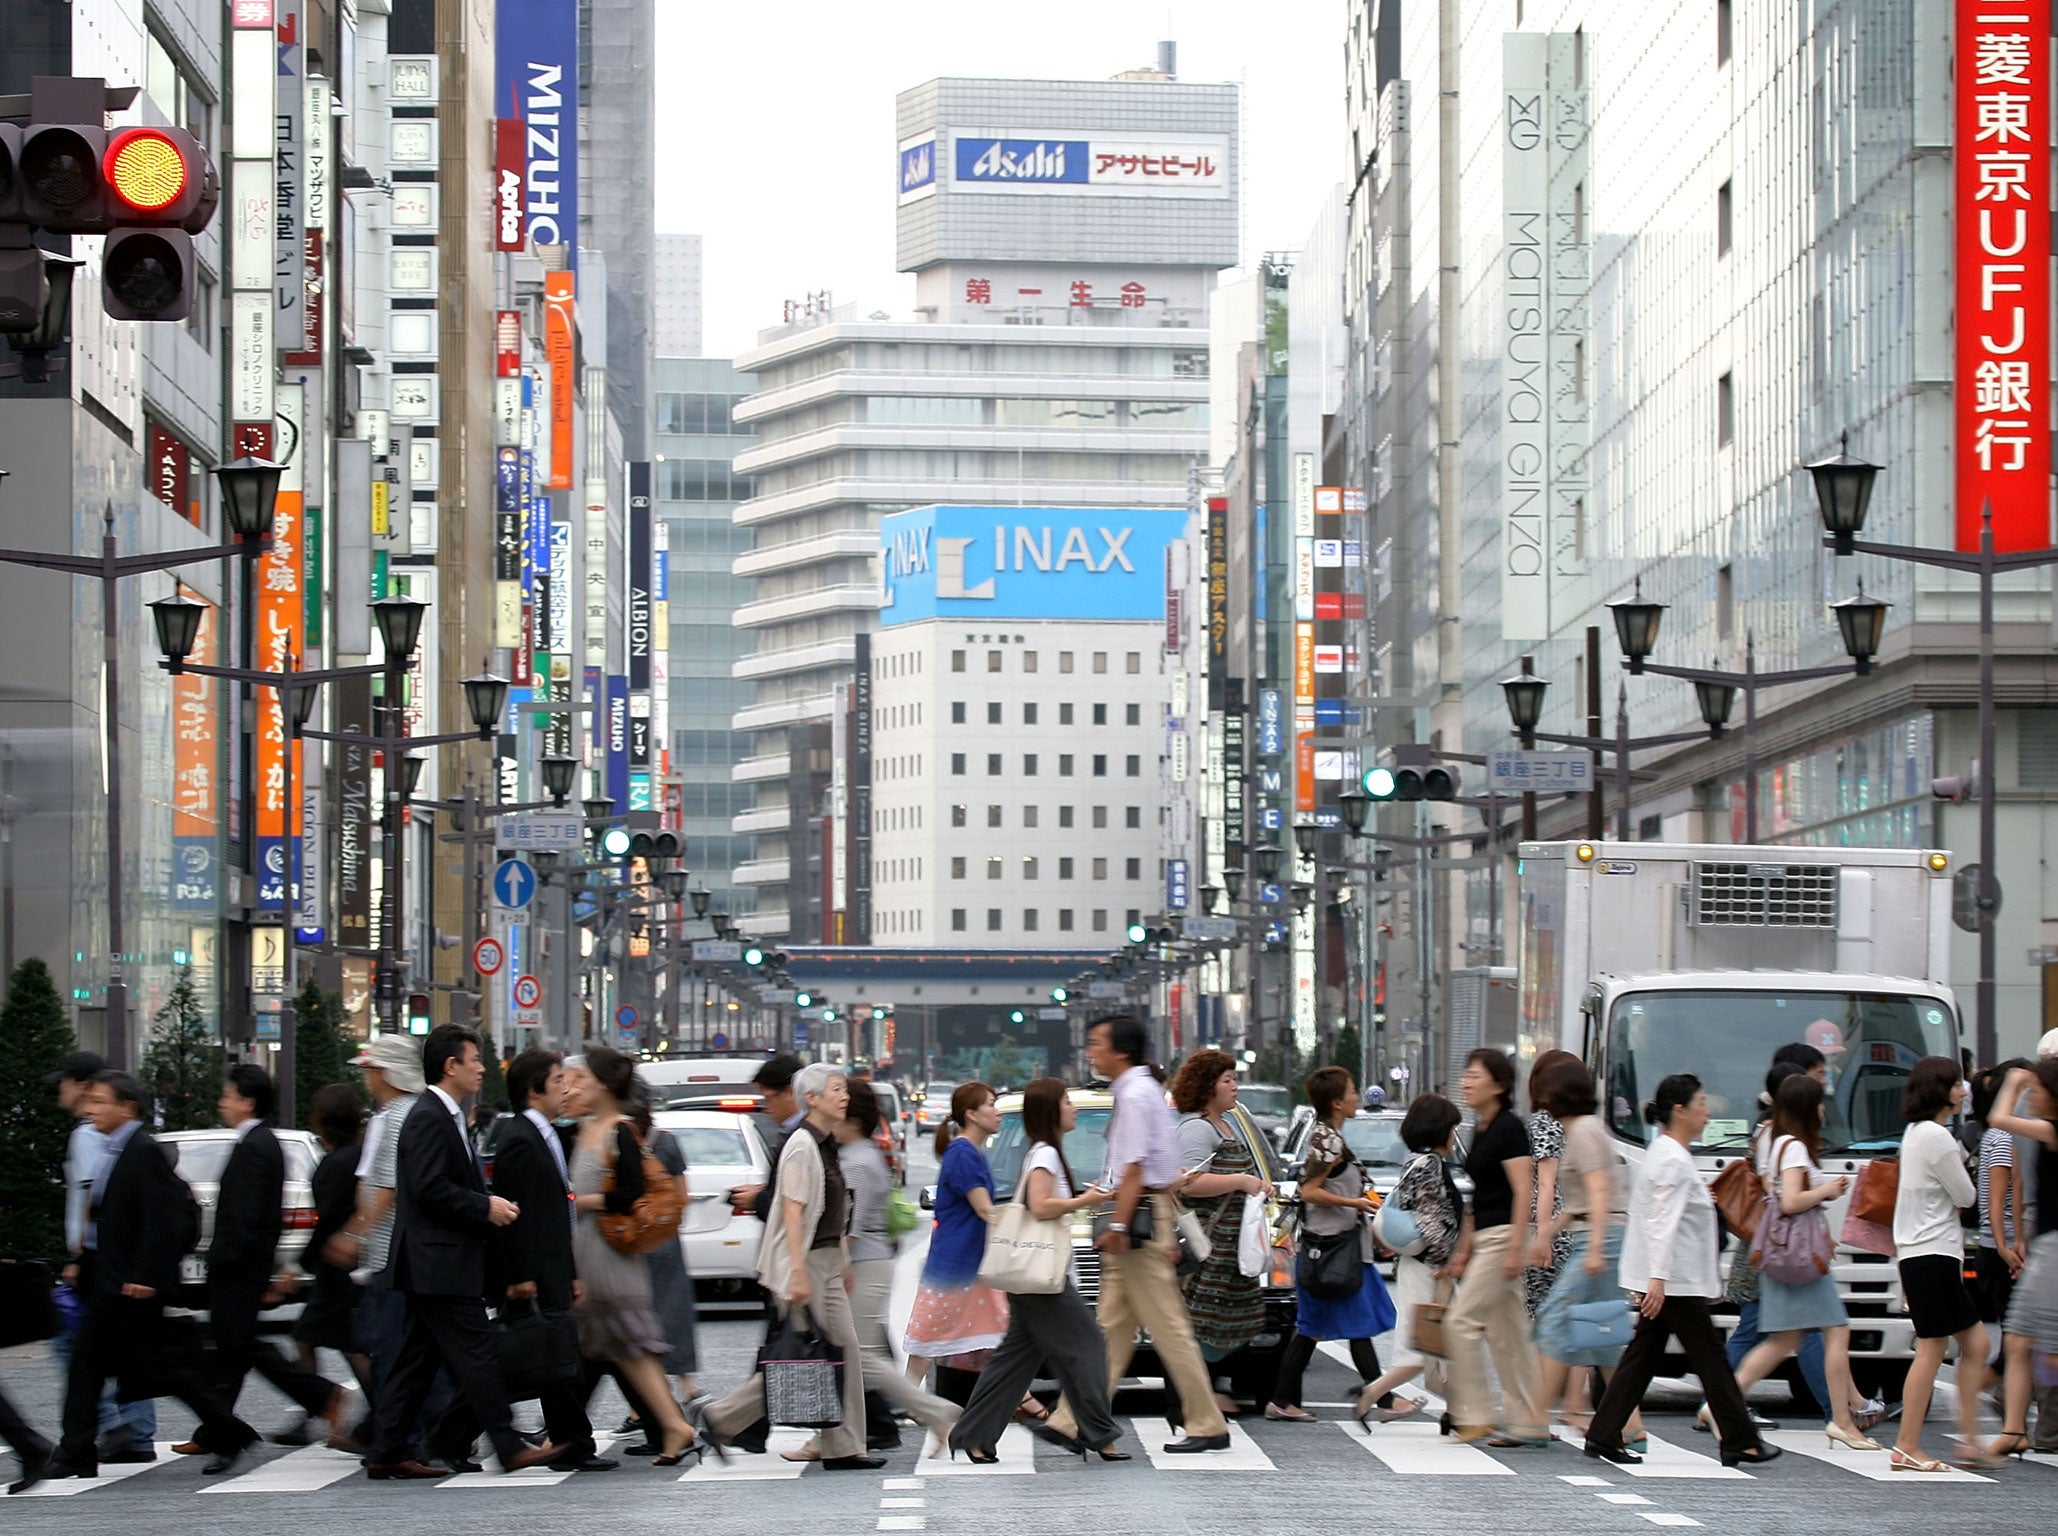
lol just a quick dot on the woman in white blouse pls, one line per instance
(1929, 1245)
(1670, 1269)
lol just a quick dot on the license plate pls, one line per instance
(192, 1270)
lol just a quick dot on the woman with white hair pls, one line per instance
(802, 1262)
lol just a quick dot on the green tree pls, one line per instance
(321, 1048)
(494, 1088)
(1350, 1054)
(34, 1040)
(183, 1065)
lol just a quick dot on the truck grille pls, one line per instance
(1764, 896)
(1086, 1264)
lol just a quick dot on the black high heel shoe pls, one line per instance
(1108, 1452)
(1445, 1425)
(1058, 1438)
(977, 1455)
(696, 1448)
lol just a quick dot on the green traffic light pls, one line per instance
(1380, 783)
(1016, 1017)
(614, 842)
(753, 956)
(1059, 994)
(828, 1015)
(805, 999)
(1138, 933)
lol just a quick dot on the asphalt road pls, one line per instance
(1278, 1478)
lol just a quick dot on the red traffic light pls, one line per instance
(146, 170)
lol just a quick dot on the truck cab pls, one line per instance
(1646, 959)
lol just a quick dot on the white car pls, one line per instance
(723, 1151)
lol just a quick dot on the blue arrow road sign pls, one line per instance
(514, 882)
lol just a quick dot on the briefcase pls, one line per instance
(803, 1374)
(539, 1350)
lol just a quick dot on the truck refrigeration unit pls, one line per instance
(1646, 959)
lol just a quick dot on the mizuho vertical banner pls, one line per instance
(536, 79)
(2003, 185)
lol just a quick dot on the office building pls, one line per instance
(1065, 236)
(675, 295)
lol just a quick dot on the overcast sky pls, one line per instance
(775, 122)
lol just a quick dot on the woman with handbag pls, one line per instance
(1929, 1248)
(616, 1314)
(1227, 1306)
(1337, 1288)
(1585, 1301)
(671, 1283)
(1056, 1328)
(803, 1261)
(1787, 1308)
(1489, 1310)
(1670, 1266)
(1420, 1222)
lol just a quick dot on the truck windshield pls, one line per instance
(1726, 1038)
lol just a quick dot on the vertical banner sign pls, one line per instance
(560, 353)
(1525, 181)
(2003, 186)
(195, 799)
(279, 629)
(171, 469)
(354, 816)
(507, 547)
(861, 795)
(557, 735)
(618, 740)
(1233, 782)
(1568, 274)
(1218, 598)
(536, 79)
(660, 642)
(640, 551)
(289, 129)
(510, 176)
(305, 351)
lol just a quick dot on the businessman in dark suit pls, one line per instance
(242, 1257)
(443, 1222)
(135, 1234)
(529, 1169)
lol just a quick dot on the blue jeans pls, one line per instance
(1810, 1354)
(138, 1418)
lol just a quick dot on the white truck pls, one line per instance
(1646, 959)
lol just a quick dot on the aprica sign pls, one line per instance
(1026, 562)
(509, 172)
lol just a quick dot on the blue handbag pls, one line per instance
(1599, 1325)
(1397, 1230)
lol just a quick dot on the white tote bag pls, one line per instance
(1024, 1256)
(1253, 1246)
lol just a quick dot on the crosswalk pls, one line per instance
(1409, 1449)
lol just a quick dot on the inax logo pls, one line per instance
(1032, 549)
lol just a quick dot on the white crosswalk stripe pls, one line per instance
(71, 1487)
(1877, 1465)
(1415, 1449)
(772, 1467)
(1664, 1459)
(1017, 1452)
(302, 1472)
(1243, 1454)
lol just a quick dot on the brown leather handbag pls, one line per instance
(1879, 1185)
(1739, 1194)
(654, 1220)
(1427, 1333)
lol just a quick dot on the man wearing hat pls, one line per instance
(128, 1431)
(392, 1067)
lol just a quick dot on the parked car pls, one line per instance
(1253, 1369)
(702, 1082)
(202, 1156)
(723, 1151)
(1270, 1107)
(932, 1107)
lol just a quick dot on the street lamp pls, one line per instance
(700, 896)
(400, 626)
(558, 773)
(1304, 838)
(1265, 858)
(410, 774)
(1862, 620)
(1354, 804)
(250, 495)
(598, 808)
(1843, 495)
(1524, 694)
(1232, 881)
(1636, 626)
(1716, 701)
(674, 883)
(485, 696)
(177, 620)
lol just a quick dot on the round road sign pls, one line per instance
(488, 956)
(528, 992)
(625, 1016)
(719, 1043)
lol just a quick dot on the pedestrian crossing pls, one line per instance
(1410, 1449)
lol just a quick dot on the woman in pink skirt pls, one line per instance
(957, 1322)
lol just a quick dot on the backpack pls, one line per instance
(1791, 1249)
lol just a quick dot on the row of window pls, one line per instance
(698, 415)
(1032, 919)
(1132, 662)
(1132, 765)
(1132, 869)
(1132, 714)
(1132, 816)
(700, 480)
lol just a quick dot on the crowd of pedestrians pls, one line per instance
(448, 1293)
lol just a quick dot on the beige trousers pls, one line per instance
(1141, 1290)
(1489, 1314)
(830, 1309)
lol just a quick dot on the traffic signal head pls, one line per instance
(1016, 1016)
(803, 999)
(62, 190)
(754, 956)
(1138, 934)
(418, 1013)
(828, 1015)
(879, 1014)
(655, 845)
(147, 274)
(1378, 782)
(615, 842)
(1059, 994)
(1411, 781)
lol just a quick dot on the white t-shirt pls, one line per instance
(1045, 1156)
(1792, 1153)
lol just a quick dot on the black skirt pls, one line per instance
(1934, 1284)
(1992, 1284)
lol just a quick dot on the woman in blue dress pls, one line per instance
(1334, 1201)
(957, 1322)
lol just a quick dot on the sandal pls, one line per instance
(2016, 1444)
(1972, 1456)
(1030, 1411)
(1288, 1415)
(1905, 1461)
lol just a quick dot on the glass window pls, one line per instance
(1133, 662)
(1100, 919)
(1029, 664)
(1064, 816)
(1064, 714)
(993, 661)
(1028, 815)
(1133, 714)
(957, 919)
(993, 919)
(1100, 714)
(957, 814)
(957, 867)
(1133, 765)
(957, 762)
(1100, 661)
(957, 661)
(993, 866)
(1725, 218)
(993, 765)
(1065, 868)
(1725, 410)
(1132, 817)
(1132, 869)
(1028, 919)
(1028, 765)
(957, 712)
(993, 815)
(1064, 919)
(1029, 867)
(1064, 765)
(1028, 714)
(1100, 869)
(1064, 661)
(1100, 817)
(1100, 765)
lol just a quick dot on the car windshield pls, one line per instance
(713, 1146)
(1872, 1041)
(1375, 1140)
(1264, 1101)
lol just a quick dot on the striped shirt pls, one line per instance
(1996, 1150)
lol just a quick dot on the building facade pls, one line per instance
(675, 295)
(1064, 237)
